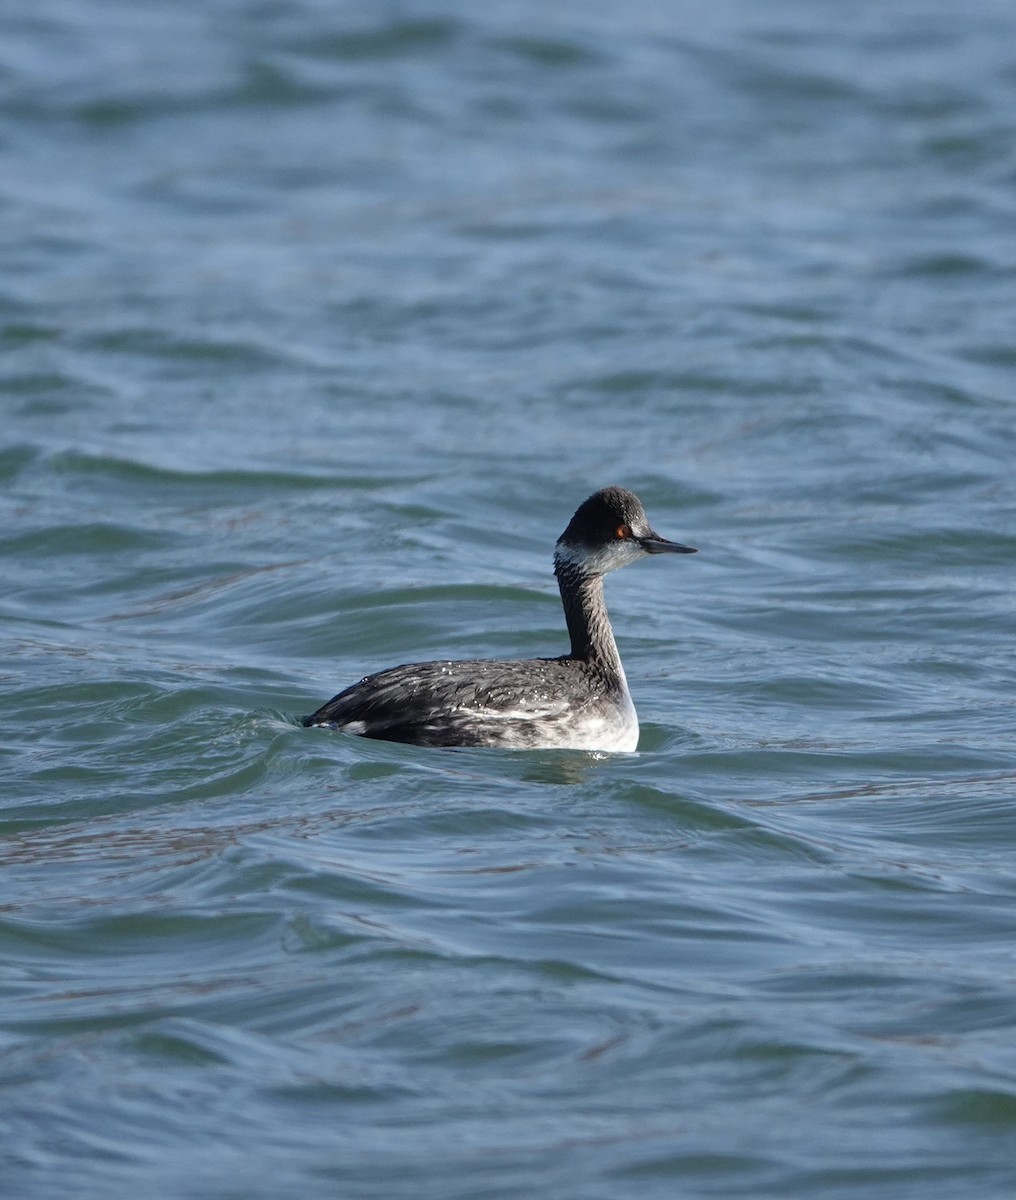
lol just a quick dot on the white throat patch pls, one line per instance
(600, 561)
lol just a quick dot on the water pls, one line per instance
(318, 321)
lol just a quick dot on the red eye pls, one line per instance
(623, 531)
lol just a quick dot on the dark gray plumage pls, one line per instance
(579, 701)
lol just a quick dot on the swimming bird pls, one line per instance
(579, 701)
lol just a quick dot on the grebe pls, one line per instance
(579, 701)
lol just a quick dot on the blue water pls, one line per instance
(317, 322)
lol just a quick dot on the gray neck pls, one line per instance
(592, 639)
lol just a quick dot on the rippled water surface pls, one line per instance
(318, 320)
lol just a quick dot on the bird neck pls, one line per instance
(592, 639)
